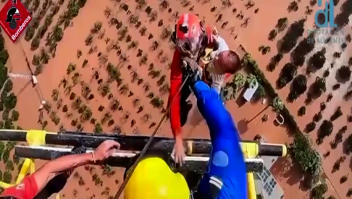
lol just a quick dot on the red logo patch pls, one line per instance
(14, 18)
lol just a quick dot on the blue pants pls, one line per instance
(226, 159)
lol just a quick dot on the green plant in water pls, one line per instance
(252, 81)
(278, 105)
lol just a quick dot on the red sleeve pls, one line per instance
(176, 82)
(27, 189)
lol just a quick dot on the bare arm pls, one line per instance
(31, 185)
(218, 79)
(55, 167)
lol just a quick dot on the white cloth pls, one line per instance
(195, 117)
(217, 80)
(222, 46)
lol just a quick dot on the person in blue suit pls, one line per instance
(226, 176)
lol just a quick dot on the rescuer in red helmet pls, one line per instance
(191, 38)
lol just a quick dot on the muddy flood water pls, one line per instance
(244, 23)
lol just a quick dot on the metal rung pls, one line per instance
(123, 158)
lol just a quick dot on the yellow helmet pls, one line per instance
(153, 179)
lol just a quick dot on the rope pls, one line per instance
(144, 150)
(142, 153)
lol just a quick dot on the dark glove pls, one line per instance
(192, 70)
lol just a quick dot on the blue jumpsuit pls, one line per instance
(226, 159)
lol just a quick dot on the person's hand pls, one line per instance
(214, 31)
(180, 44)
(179, 152)
(191, 63)
(106, 149)
(211, 33)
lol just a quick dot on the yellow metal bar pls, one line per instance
(24, 169)
(58, 196)
(5, 185)
(250, 150)
(251, 186)
(32, 169)
(28, 163)
(36, 137)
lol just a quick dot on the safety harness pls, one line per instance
(144, 151)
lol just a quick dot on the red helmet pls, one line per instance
(188, 34)
(188, 27)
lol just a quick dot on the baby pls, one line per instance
(219, 64)
(214, 69)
